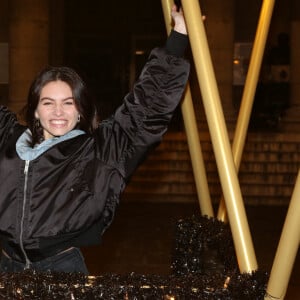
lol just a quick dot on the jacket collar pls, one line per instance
(25, 152)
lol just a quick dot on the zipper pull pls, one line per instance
(26, 167)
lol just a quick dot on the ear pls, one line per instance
(36, 115)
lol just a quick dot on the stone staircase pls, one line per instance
(267, 172)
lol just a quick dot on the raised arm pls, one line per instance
(140, 122)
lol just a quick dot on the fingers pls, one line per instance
(175, 11)
(179, 20)
(176, 14)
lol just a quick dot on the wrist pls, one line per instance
(181, 28)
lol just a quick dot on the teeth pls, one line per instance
(58, 122)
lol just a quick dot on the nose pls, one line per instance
(58, 110)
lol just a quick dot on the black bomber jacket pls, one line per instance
(67, 196)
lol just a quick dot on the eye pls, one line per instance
(46, 103)
(69, 102)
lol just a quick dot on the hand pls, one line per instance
(178, 18)
(179, 21)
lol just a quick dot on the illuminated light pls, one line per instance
(139, 52)
(236, 61)
(169, 297)
(226, 282)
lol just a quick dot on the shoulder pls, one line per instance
(7, 118)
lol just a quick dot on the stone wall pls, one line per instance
(267, 172)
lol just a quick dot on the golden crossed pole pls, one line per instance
(228, 160)
(219, 136)
(287, 249)
(191, 130)
(249, 89)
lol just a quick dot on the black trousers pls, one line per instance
(70, 260)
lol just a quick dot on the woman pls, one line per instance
(61, 177)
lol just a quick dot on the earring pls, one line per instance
(78, 119)
(37, 123)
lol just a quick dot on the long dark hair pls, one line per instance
(83, 100)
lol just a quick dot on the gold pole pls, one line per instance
(222, 213)
(216, 122)
(249, 90)
(192, 135)
(287, 248)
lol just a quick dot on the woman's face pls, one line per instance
(56, 109)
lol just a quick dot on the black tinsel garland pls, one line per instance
(202, 245)
(203, 267)
(50, 285)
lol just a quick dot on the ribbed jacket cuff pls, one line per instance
(176, 43)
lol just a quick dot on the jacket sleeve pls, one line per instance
(140, 122)
(7, 122)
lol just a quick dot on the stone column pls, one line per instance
(3, 52)
(28, 46)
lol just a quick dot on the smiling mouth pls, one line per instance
(58, 122)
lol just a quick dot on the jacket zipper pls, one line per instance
(27, 261)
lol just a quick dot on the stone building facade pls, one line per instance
(101, 41)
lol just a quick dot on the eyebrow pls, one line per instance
(49, 98)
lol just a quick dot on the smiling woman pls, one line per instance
(61, 176)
